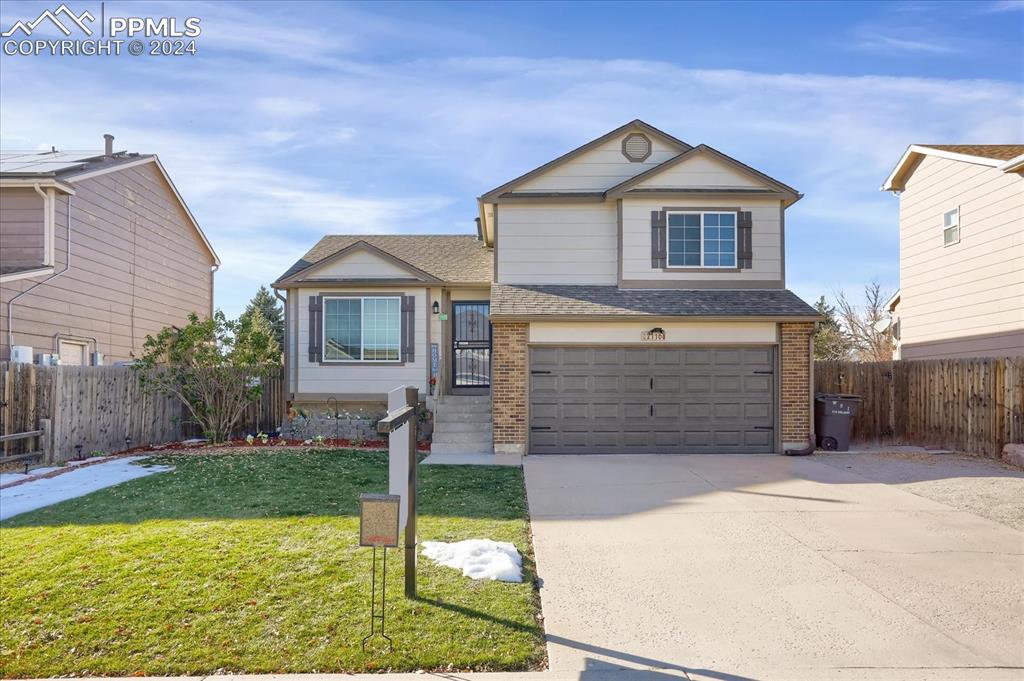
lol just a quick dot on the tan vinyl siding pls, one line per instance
(22, 239)
(598, 169)
(358, 264)
(369, 379)
(563, 243)
(966, 299)
(700, 171)
(138, 265)
(636, 240)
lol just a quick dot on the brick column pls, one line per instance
(508, 387)
(795, 365)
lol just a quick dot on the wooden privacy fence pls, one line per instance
(99, 407)
(969, 405)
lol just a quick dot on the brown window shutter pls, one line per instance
(408, 328)
(744, 240)
(658, 239)
(316, 327)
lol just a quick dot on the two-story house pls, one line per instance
(97, 250)
(961, 251)
(626, 297)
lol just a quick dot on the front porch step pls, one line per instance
(460, 449)
(467, 398)
(464, 426)
(462, 438)
(445, 416)
(450, 405)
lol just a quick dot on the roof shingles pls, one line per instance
(999, 152)
(602, 301)
(454, 258)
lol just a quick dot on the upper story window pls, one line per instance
(951, 227)
(697, 239)
(362, 329)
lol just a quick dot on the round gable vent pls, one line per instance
(636, 147)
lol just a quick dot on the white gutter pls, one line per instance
(67, 266)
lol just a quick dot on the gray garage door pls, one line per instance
(612, 400)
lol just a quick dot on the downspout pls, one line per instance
(67, 266)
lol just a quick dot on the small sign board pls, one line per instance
(378, 520)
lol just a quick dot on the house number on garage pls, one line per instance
(655, 334)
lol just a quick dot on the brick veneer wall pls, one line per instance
(508, 386)
(796, 377)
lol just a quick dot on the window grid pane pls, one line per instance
(381, 334)
(342, 329)
(684, 240)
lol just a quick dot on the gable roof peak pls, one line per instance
(635, 124)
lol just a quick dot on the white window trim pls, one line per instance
(701, 213)
(362, 331)
(945, 229)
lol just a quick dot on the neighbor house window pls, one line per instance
(362, 329)
(701, 239)
(951, 227)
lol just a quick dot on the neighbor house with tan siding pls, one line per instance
(627, 297)
(97, 250)
(961, 251)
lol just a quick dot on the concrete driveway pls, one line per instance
(766, 567)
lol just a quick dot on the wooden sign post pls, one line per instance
(402, 468)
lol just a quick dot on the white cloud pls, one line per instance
(272, 154)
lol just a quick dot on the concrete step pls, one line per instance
(475, 407)
(467, 399)
(461, 438)
(460, 449)
(463, 427)
(448, 416)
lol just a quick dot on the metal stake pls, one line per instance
(373, 601)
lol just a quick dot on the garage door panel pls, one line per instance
(541, 384)
(575, 383)
(726, 384)
(635, 400)
(637, 384)
(635, 356)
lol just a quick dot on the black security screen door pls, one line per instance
(471, 345)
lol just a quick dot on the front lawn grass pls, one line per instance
(249, 562)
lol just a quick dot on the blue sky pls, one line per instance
(299, 119)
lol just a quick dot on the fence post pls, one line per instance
(46, 440)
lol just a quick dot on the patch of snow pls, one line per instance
(12, 477)
(75, 483)
(478, 558)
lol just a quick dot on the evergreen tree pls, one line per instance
(830, 341)
(270, 307)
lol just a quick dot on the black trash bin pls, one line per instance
(833, 418)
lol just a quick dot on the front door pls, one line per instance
(471, 345)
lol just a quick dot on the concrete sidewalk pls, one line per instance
(754, 567)
(625, 675)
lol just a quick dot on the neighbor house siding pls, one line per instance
(359, 382)
(965, 299)
(766, 242)
(22, 239)
(557, 243)
(598, 169)
(137, 266)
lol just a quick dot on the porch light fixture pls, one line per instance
(436, 307)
